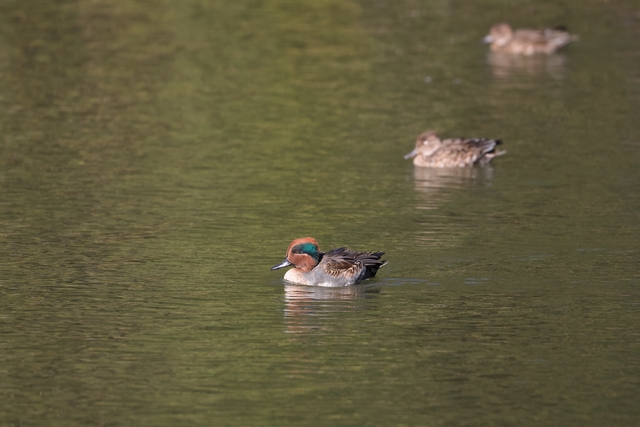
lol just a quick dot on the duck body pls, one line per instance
(527, 42)
(336, 268)
(431, 151)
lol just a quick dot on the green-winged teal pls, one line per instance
(338, 267)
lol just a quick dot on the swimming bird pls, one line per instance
(338, 267)
(527, 42)
(431, 151)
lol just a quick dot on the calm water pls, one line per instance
(158, 157)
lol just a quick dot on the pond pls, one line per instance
(158, 158)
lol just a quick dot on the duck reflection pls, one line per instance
(440, 184)
(507, 67)
(308, 307)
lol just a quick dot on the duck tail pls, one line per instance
(495, 152)
(566, 38)
(372, 264)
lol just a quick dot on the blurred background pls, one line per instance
(157, 158)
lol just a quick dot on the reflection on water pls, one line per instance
(440, 184)
(306, 307)
(508, 67)
(437, 188)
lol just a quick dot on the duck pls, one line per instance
(431, 151)
(527, 42)
(338, 267)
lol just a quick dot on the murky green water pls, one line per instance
(158, 157)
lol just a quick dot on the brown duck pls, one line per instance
(431, 151)
(527, 42)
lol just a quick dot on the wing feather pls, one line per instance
(343, 262)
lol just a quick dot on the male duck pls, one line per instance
(431, 151)
(527, 42)
(338, 267)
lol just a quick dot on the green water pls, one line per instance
(157, 158)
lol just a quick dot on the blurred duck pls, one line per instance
(527, 42)
(338, 267)
(433, 152)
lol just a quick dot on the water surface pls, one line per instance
(157, 159)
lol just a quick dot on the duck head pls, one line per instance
(303, 254)
(500, 34)
(426, 144)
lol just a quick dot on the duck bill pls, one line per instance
(283, 264)
(411, 154)
(487, 39)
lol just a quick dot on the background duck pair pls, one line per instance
(431, 151)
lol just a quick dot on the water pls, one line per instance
(157, 159)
